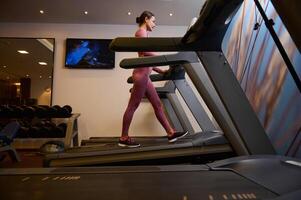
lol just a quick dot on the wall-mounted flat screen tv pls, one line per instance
(89, 54)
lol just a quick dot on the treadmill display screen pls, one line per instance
(264, 77)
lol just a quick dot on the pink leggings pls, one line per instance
(144, 86)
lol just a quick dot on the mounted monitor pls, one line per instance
(89, 54)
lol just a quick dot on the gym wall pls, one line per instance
(100, 96)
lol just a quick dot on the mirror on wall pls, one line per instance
(26, 71)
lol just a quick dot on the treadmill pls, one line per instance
(209, 59)
(197, 147)
(206, 146)
(175, 82)
(236, 178)
(237, 127)
(245, 177)
(243, 174)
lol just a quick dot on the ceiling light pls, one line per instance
(48, 89)
(40, 76)
(42, 63)
(4, 66)
(42, 11)
(129, 13)
(86, 12)
(23, 52)
(17, 84)
(170, 14)
(27, 75)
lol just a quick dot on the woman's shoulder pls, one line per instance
(141, 33)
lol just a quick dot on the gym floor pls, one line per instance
(29, 159)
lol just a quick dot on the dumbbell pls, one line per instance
(6, 111)
(50, 126)
(41, 111)
(50, 111)
(15, 111)
(64, 111)
(28, 111)
(68, 108)
(57, 132)
(44, 128)
(61, 130)
(19, 111)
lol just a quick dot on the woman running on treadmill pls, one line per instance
(142, 85)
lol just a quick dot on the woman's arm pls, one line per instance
(148, 53)
(159, 70)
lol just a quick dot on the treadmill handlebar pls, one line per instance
(153, 78)
(163, 60)
(132, 44)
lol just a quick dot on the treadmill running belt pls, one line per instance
(132, 185)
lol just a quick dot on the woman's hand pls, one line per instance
(159, 70)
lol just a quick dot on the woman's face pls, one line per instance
(150, 23)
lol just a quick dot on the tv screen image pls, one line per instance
(89, 53)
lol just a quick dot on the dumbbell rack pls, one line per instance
(71, 138)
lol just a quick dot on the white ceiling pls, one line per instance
(99, 11)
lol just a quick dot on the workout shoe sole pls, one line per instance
(130, 146)
(175, 139)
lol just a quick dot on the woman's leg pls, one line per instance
(154, 99)
(137, 93)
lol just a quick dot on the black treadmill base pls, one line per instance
(150, 185)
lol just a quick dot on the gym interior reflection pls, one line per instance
(26, 71)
